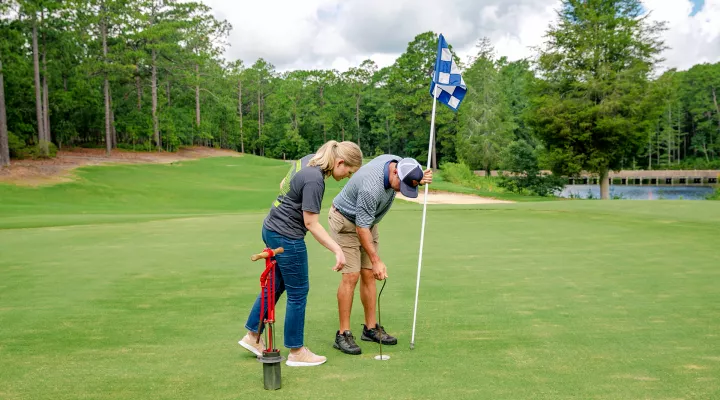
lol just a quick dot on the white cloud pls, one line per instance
(339, 34)
(692, 39)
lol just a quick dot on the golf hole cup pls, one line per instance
(271, 361)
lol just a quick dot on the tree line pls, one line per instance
(149, 75)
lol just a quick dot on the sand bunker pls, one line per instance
(452, 198)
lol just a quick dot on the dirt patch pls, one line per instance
(453, 198)
(43, 172)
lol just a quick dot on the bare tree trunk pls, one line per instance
(108, 133)
(260, 146)
(46, 96)
(262, 121)
(153, 85)
(138, 87)
(38, 91)
(156, 130)
(604, 185)
(670, 129)
(242, 139)
(197, 96)
(357, 118)
(4, 147)
(717, 107)
(657, 160)
(680, 136)
(322, 112)
(112, 123)
(387, 130)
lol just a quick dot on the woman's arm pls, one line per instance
(312, 224)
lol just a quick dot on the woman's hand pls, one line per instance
(339, 260)
(313, 225)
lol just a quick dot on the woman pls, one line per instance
(293, 214)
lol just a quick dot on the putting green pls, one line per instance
(134, 282)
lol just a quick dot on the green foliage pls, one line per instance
(17, 146)
(588, 106)
(524, 177)
(461, 174)
(588, 102)
(519, 158)
(690, 163)
(20, 150)
(485, 121)
(715, 195)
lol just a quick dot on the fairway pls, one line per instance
(134, 282)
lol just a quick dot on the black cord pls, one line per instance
(379, 320)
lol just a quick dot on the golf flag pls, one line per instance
(447, 87)
(451, 87)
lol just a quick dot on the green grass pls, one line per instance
(134, 282)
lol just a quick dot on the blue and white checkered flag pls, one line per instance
(451, 86)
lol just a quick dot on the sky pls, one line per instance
(339, 34)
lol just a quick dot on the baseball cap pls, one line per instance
(410, 173)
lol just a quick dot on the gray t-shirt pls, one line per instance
(365, 200)
(295, 167)
(306, 192)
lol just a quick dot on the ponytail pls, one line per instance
(328, 154)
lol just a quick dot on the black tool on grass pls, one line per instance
(381, 357)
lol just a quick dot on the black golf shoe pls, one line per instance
(377, 334)
(345, 342)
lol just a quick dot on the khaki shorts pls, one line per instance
(343, 231)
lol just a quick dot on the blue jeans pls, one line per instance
(291, 276)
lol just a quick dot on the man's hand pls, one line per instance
(339, 261)
(427, 177)
(379, 270)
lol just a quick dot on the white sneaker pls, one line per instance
(304, 358)
(251, 345)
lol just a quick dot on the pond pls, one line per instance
(632, 192)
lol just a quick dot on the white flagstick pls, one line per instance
(422, 231)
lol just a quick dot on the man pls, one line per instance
(353, 220)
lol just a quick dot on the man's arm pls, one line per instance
(366, 241)
(364, 220)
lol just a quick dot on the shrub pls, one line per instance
(716, 195)
(520, 160)
(461, 174)
(18, 148)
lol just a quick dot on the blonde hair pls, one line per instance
(328, 154)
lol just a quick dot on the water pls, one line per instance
(641, 192)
